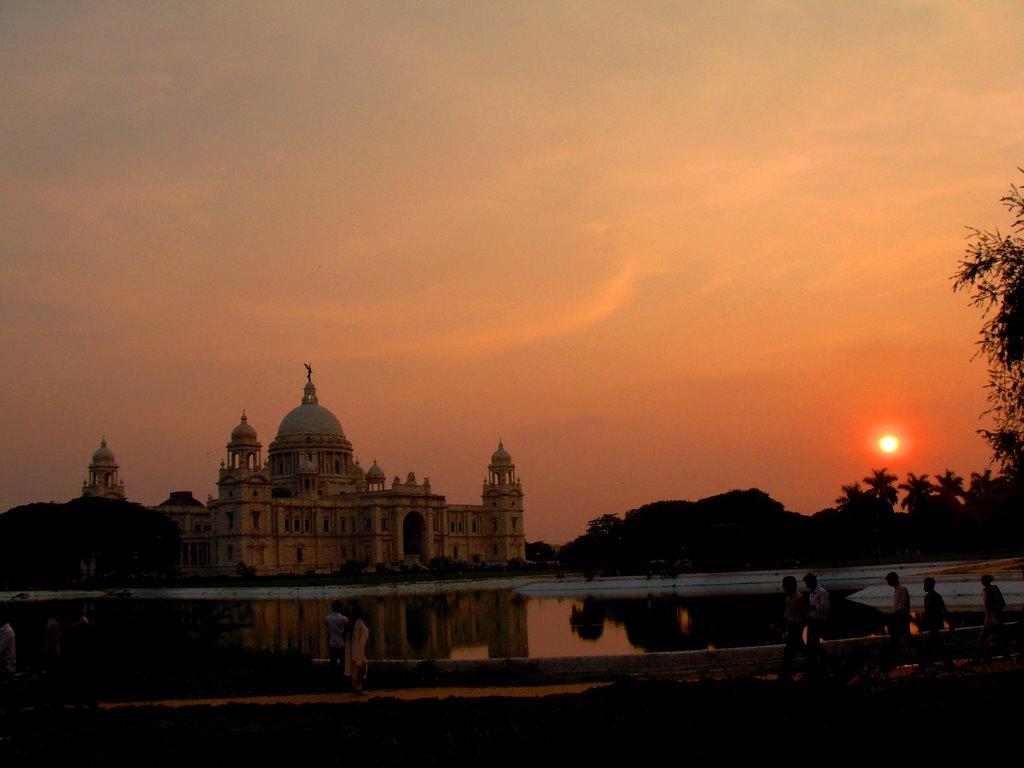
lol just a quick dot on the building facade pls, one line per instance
(309, 507)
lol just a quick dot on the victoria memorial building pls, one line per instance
(308, 506)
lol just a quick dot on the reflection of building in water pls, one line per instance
(586, 618)
(409, 627)
(311, 507)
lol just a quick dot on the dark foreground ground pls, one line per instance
(971, 713)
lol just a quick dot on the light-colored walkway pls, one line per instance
(404, 694)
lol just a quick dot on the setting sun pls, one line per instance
(889, 443)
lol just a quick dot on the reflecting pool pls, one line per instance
(494, 623)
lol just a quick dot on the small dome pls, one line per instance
(103, 455)
(375, 472)
(243, 433)
(501, 456)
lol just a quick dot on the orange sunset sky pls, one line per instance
(661, 249)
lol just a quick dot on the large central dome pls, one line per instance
(310, 418)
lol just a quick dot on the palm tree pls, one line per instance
(882, 486)
(918, 488)
(853, 496)
(950, 485)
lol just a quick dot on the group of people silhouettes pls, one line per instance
(811, 614)
(67, 673)
(346, 643)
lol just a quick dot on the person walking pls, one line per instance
(992, 599)
(817, 618)
(337, 625)
(933, 621)
(355, 650)
(899, 623)
(794, 619)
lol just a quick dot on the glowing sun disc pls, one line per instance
(888, 443)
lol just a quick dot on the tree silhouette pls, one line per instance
(882, 486)
(918, 490)
(993, 271)
(853, 497)
(950, 485)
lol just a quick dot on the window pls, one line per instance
(367, 524)
(231, 553)
(327, 525)
(383, 523)
(256, 519)
(514, 521)
(455, 553)
(231, 519)
(298, 554)
(451, 527)
(343, 525)
(474, 526)
(494, 525)
(460, 526)
(305, 526)
(287, 525)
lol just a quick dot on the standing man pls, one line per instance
(8, 666)
(817, 617)
(794, 618)
(337, 624)
(899, 624)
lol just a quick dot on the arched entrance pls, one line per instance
(413, 536)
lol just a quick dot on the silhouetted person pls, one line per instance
(899, 623)
(933, 621)
(992, 599)
(817, 617)
(8, 683)
(794, 618)
(53, 662)
(337, 624)
(78, 651)
(355, 650)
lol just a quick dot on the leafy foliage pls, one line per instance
(84, 539)
(993, 271)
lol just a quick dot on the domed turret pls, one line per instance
(103, 456)
(501, 456)
(102, 481)
(244, 432)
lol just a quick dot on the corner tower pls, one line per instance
(502, 516)
(241, 514)
(102, 481)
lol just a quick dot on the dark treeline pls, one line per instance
(749, 529)
(84, 540)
